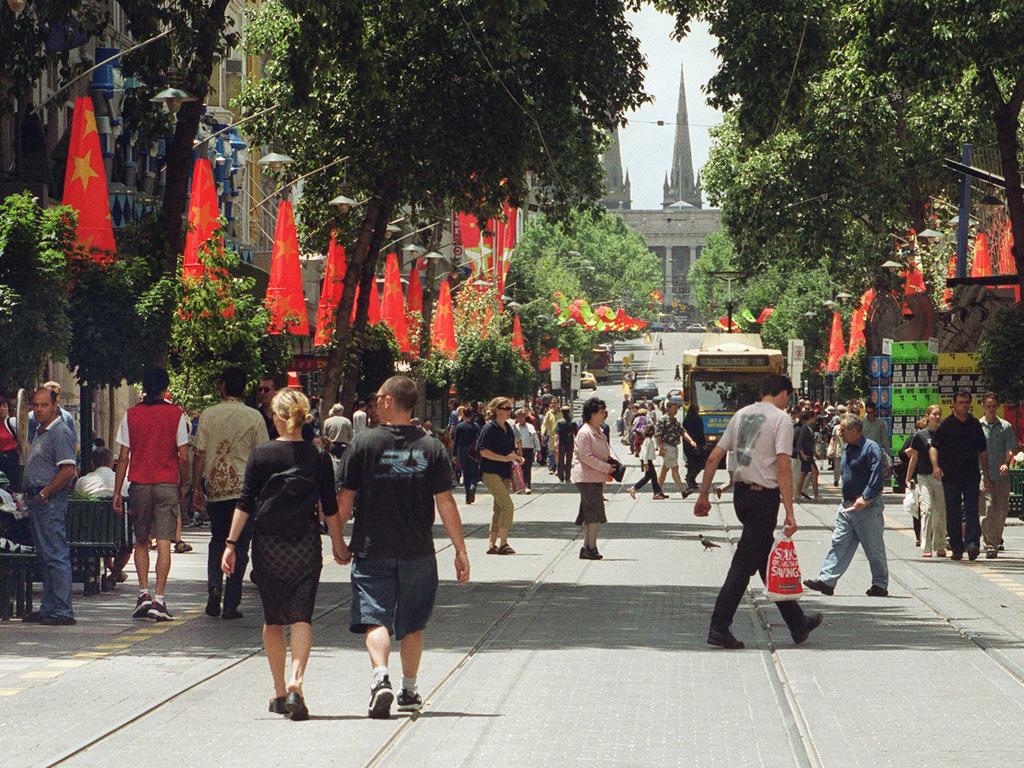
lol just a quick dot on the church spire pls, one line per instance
(616, 195)
(681, 182)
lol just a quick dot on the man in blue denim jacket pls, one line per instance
(860, 517)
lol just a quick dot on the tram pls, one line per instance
(723, 376)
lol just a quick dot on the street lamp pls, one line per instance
(828, 303)
(989, 204)
(274, 161)
(728, 275)
(892, 266)
(172, 98)
(17, 6)
(844, 296)
(342, 204)
(929, 234)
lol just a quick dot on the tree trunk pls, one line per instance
(917, 202)
(111, 418)
(1007, 123)
(87, 394)
(377, 210)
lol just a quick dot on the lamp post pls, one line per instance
(728, 275)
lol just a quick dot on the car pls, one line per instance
(588, 380)
(645, 389)
(695, 328)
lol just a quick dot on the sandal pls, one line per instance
(632, 492)
(926, 554)
(660, 496)
(505, 549)
(180, 547)
(493, 550)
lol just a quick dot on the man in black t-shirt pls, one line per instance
(398, 474)
(566, 433)
(959, 456)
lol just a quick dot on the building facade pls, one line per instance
(678, 231)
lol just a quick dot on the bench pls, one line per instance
(94, 532)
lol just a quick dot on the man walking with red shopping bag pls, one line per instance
(761, 435)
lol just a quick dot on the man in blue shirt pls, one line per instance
(860, 517)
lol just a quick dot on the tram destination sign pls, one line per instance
(732, 361)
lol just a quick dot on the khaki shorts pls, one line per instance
(671, 457)
(154, 511)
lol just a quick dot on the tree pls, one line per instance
(1000, 354)
(361, 81)
(378, 353)
(219, 322)
(34, 323)
(486, 368)
(852, 380)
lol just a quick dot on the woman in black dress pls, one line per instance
(286, 552)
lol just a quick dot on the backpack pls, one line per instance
(287, 504)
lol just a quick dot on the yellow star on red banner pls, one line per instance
(84, 170)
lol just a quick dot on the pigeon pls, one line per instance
(708, 543)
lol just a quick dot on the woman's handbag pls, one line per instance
(518, 482)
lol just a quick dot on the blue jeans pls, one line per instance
(551, 453)
(50, 534)
(470, 472)
(962, 494)
(861, 526)
(221, 514)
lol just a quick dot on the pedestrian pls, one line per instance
(467, 433)
(228, 433)
(661, 347)
(99, 484)
(693, 425)
(648, 452)
(670, 434)
(805, 455)
(761, 435)
(960, 460)
(359, 417)
(530, 446)
(268, 387)
(497, 447)
(876, 429)
(10, 464)
(285, 479)
(548, 436)
(338, 425)
(931, 501)
(49, 470)
(860, 518)
(400, 476)
(592, 463)
(836, 446)
(565, 430)
(63, 413)
(154, 439)
(636, 433)
(994, 503)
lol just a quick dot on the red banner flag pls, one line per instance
(85, 185)
(373, 311)
(857, 339)
(330, 294)
(765, 314)
(414, 294)
(392, 307)
(203, 218)
(913, 280)
(982, 265)
(517, 338)
(285, 298)
(442, 331)
(836, 347)
(551, 357)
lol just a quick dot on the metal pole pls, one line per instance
(966, 157)
(728, 304)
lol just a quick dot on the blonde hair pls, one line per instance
(492, 407)
(292, 406)
(923, 421)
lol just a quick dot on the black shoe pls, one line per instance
(58, 621)
(805, 496)
(972, 551)
(877, 591)
(723, 639)
(585, 553)
(991, 553)
(819, 586)
(142, 606)
(471, 497)
(811, 623)
(32, 618)
(381, 697)
(1001, 548)
(277, 706)
(409, 701)
(296, 706)
(158, 612)
(213, 604)
(231, 614)
(956, 555)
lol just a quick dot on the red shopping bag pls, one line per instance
(783, 582)
(518, 481)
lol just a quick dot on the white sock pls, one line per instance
(409, 684)
(159, 599)
(143, 591)
(379, 673)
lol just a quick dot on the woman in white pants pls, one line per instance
(930, 499)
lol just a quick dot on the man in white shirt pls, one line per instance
(99, 482)
(762, 437)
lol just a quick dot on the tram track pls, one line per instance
(247, 655)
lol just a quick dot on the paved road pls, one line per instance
(547, 660)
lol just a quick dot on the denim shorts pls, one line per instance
(397, 594)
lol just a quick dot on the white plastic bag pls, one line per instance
(910, 505)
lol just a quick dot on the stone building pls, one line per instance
(678, 231)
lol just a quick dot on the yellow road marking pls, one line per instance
(9, 691)
(67, 663)
(43, 674)
(151, 630)
(114, 646)
(137, 636)
(89, 655)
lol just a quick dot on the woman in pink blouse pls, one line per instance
(592, 463)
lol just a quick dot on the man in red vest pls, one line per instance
(154, 439)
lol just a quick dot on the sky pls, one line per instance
(646, 147)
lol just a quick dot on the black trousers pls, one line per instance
(650, 474)
(758, 511)
(221, 513)
(527, 465)
(564, 465)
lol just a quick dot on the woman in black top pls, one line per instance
(497, 444)
(286, 552)
(931, 501)
(466, 433)
(695, 456)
